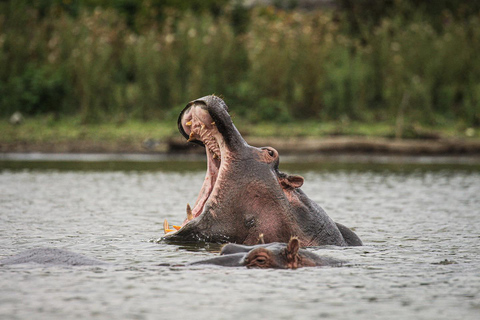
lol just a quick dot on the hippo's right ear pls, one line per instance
(292, 181)
(292, 253)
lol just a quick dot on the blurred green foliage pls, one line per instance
(364, 61)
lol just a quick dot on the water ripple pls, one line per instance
(420, 260)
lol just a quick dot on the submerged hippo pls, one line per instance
(244, 193)
(272, 255)
(51, 257)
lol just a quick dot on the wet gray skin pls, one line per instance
(272, 255)
(244, 193)
(51, 256)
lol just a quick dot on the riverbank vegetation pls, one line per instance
(46, 129)
(404, 67)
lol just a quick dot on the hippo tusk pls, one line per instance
(261, 240)
(191, 137)
(188, 124)
(189, 213)
(166, 227)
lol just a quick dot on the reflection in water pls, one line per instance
(419, 223)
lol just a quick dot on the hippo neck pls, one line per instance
(243, 199)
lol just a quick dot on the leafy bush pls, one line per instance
(99, 59)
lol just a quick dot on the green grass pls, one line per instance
(382, 129)
(43, 129)
(314, 129)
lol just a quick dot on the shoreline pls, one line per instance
(285, 146)
(155, 158)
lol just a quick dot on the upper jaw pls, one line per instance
(213, 108)
(198, 126)
(217, 112)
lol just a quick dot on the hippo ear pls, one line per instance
(292, 253)
(292, 181)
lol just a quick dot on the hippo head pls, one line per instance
(273, 255)
(244, 193)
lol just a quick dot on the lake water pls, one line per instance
(420, 224)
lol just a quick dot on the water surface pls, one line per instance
(420, 224)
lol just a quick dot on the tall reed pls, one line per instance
(281, 66)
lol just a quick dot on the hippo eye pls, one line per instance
(260, 260)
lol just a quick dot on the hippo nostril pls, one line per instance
(270, 155)
(271, 152)
(250, 222)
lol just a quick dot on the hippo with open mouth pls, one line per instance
(244, 194)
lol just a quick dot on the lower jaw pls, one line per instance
(214, 165)
(208, 187)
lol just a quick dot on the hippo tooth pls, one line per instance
(191, 137)
(261, 240)
(166, 227)
(203, 126)
(188, 124)
(213, 123)
(189, 213)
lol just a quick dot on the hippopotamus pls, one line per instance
(51, 257)
(271, 255)
(244, 193)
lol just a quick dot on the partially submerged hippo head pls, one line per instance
(51, 257)
(244, 193)
(272, 255)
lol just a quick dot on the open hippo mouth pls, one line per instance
(209, 129)
(197, 125)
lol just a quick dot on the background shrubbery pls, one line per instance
(361, 61)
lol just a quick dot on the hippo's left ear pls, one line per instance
(292, 181)
(292, 253)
